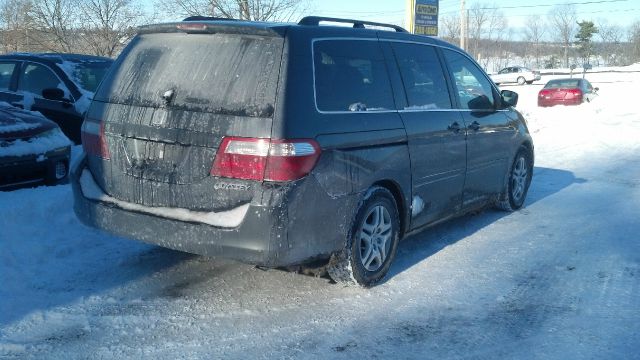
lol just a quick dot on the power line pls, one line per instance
(547, 5)
(577, 13)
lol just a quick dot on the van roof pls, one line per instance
(204, 24)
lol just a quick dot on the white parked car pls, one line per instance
(515, 74)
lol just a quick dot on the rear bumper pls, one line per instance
(268, 235)
(552, 102)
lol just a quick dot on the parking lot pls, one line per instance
(557, 279)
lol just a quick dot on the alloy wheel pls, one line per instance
(375, 238)
(519, 177)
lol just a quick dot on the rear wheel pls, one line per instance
(372, 243)
(517, 186)
(521, 80)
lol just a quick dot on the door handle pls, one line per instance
(455, 127)
(474, 126)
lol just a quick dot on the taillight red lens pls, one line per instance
(573, 93)
(265, 159)
(93, 139)
(291, 159)
(241, 158)
(544, 92)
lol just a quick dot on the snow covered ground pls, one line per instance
(559, 279)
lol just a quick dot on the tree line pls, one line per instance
(559, 39)
(104, 27)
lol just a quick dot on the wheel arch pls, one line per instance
(395, 190)
(527, 144)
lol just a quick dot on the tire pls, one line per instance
(521, 80)
(371, 244)
(517, 186)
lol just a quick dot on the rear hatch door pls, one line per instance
(167, 103)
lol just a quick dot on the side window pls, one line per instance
(351, 75)
(6, 72)
(35, 78)
(422, 76)
(505, 71)
(473, 89)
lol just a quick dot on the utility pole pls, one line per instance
(410, 15)
(463, 25)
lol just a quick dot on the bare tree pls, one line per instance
(634, 42)
(55, 23)
(450, 28)
(258, 10)
(109, 24)
(477, 20)
(486, 23)
(15, 25)
(563, 20)
(611, 46)
(534, 32)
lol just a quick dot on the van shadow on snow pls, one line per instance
(127, 261)
(417, 247)
(124, 263)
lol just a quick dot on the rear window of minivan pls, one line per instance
(220, 73)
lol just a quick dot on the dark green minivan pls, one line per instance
(289, 144)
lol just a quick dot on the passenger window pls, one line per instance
(351, 76)
(473, 89)
(422, 76)
(6, 72)
(36, 78)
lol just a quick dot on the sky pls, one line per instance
(621, 12)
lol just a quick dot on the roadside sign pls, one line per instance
(426, 17)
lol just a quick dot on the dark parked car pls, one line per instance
(59, 86)
(566, 92)
(33, 150)
(281, 144)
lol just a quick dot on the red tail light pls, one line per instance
(93, 139)
(544, 92)
(573, 93)
(265, 159)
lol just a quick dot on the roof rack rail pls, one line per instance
(206, 18)
(358, 24)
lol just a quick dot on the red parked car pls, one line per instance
(566, 92)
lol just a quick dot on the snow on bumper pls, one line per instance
(259, 236)
(278, 228)
(226, 219)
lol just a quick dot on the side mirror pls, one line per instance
(509, 97)
(596, 89)
(53, 94)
